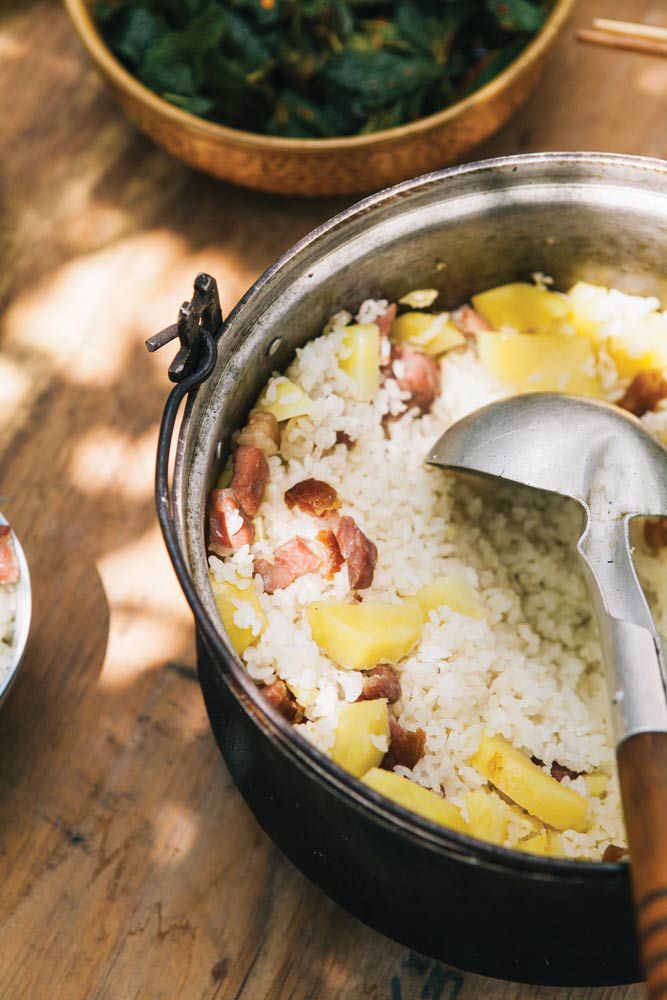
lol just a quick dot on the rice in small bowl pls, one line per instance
(15, 605)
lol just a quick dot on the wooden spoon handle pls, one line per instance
(642, 765)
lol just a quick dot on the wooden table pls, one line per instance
(129, 866)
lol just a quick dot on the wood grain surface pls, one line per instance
(129, 866)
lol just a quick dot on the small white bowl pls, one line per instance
(23, 615)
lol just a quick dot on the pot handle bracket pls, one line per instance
(198, 322)
(198, 328)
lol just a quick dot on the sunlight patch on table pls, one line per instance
(11, 47)
(108, 460)
(175, 829)
(149, 618)
(651, 78)
(14, 386)
(87, 317)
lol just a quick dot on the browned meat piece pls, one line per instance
(229, 525)
(290, 561)
(359, 553)
(333, 556)
(381, 682)
(469, 321)
(386, 320)
(261, 431)
(251, 474)
(655, 533)
(417, 374)
(406, 746)
(9, 564)
(282, 698)
(613, 853)
(559, 771)
(312, 496)
(644, 392)
(343, 438)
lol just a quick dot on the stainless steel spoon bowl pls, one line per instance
(606, 459)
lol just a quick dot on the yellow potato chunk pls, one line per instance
(432, 334)
(236, 602)
(419, 800)
(454, 591)
(488, 816)
(354, 749)
(285, 399)
(597, 783)
(636, 344)
(359, 636)
(548, 844)
(541, 362)
(640, 346)
(529, 786)
(420, 298)
(526, 308)
(362, 363)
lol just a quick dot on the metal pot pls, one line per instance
(492, 911)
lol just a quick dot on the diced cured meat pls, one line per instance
(386, 320)
(229, 525)
(417, 374)
(290, 561)
(343, 438)
(9, 564)
(613, 853)
(333, 556)
(251, 474)
(644, 393)
(359, 553)
(469, 321)
(655, 533)
(559, 771)
(406, 746)
(280, 696)
(261, 431)
(381, 682)
(312, 496)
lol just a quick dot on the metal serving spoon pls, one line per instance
(604, 458)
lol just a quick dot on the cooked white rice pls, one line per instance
(530, 670)
(7, 615)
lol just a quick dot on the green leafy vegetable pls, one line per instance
(313, 69)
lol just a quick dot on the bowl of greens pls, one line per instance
(313, 97)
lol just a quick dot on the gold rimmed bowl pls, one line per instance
(339, 166)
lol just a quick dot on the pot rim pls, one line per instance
(234, 674)
(104, 58)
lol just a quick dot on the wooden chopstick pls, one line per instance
(635, 42)
(649, 32)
